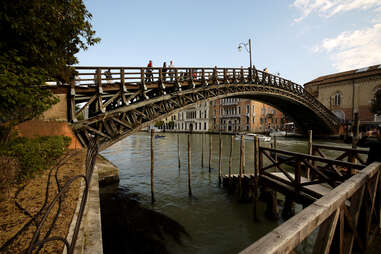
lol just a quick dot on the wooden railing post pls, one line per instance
(100, 90)
(73, 117)
(177, 82)
(161, 81)
(143, 86)
(123, 88)
(191, 77)
(203, 78)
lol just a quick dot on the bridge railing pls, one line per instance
(346, 218)
(89, 76)
(134, 79)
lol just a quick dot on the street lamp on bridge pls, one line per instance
(247, 47)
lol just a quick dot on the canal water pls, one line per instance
(214, 220)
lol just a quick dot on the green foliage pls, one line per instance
(39, 43)
(171, 124)
(159, 124)
(37, 154)
(375, 107)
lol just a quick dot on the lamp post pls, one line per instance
(247, 46)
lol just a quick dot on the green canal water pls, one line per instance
(214, 220)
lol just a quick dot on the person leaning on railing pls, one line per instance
(373, 144)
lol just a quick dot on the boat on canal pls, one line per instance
(251, 136)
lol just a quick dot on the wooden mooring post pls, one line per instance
(309, 151)
(275, 147)
(189, 167)
(178, 151)
(202, 150)
(152, 167)
(241, 164)
(210, 152)
(256, 176)
(219, 159)
(231, 158)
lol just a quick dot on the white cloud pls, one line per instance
(328, 8)
(350, 50)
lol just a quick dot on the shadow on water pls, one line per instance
(128, 227)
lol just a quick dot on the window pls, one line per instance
(204, 125)
(247, 109)
(337, 100)
(239, 110)
(199, 126)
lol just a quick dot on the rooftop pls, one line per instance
(347, 75)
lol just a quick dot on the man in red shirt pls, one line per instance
(149, 76)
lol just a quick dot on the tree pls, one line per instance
(39, 41)
(375, 106)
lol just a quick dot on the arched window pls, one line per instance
(337, 99)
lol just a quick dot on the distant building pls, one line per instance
(194, 119)
(237, 115)
(346, 93)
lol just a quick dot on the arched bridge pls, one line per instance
(114, 102)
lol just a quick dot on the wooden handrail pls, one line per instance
(315, 158)
(344, 149)
(324, 211)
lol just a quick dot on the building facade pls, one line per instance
(194, 119)
(234, 115)
(349, 92)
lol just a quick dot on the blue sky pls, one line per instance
(300, 39)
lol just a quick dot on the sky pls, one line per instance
(300, 39)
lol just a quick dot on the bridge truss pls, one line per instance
(114, 102)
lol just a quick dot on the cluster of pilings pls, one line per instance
(246, 187)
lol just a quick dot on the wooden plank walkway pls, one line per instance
(279, 182)
(321, 189)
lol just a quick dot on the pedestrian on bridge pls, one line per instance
(171, 70)
(108, 76)
(149, 76)
(374, 145)
(164, 71)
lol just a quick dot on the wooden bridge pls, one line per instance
(114, 102)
